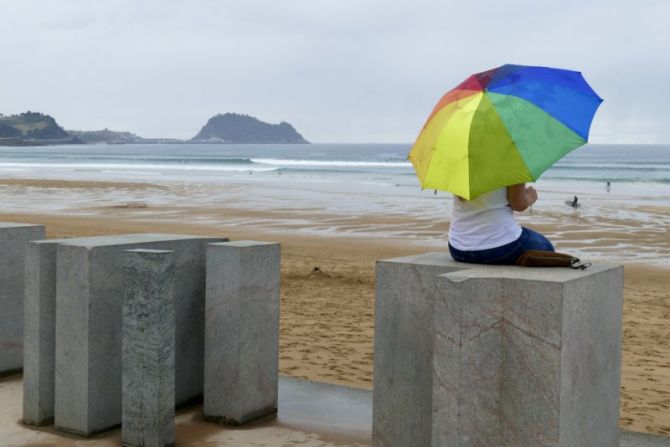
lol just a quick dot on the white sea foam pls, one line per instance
(111, 167)
(332, 163)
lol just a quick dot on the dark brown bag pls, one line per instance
(541, 258)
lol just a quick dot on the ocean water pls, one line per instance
(361, 190)
(645, 166)
(635, 172)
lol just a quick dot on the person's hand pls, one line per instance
(531, 195)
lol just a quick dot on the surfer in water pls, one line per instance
(574, 203)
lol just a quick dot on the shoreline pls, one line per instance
(627, 233)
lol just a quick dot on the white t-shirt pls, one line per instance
(483, 223)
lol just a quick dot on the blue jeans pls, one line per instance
(505, 254)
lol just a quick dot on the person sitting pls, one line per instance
(484, 230)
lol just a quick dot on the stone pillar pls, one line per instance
(403, 348)
(527, 357)
(493, 355)
(148, 354)
(13, 238)
(40, 332)
(241, 331)
(89, 302)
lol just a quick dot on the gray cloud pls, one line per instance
(339, 70)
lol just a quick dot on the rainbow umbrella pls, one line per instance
(503, 127)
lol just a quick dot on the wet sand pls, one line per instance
(327, 316)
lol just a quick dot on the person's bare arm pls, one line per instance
(520, 197)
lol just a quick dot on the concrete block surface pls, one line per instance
(403, 347)
(471, 355)
(525, 356)
(89, 301)
(241, 331)
(148, 353)
(40, 332)
(13, 239)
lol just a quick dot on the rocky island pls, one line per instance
(241, 129)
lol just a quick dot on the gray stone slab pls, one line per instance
(88, 325)
(405, 289)
(526, 356)
(13, 238)
(512, 356)
(40, 331)
(241, 331)
(148, 353)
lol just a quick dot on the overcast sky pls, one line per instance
(338, 70)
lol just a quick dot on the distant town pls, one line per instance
(38, 129)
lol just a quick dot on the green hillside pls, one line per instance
(31, 126)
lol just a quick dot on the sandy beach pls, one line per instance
(327, 314)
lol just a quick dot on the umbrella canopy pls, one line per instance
(503, 127)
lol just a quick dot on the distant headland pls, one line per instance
(37, 129)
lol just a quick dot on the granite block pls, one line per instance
(403, 347)
(536, 359)
(591, 359)
(241, 331)
(89, 301)
(40, 332)
(496, 355)
(148, 349)
(13, 238)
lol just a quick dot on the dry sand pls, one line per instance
(327, 316)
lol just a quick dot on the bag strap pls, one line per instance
(578, 265)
